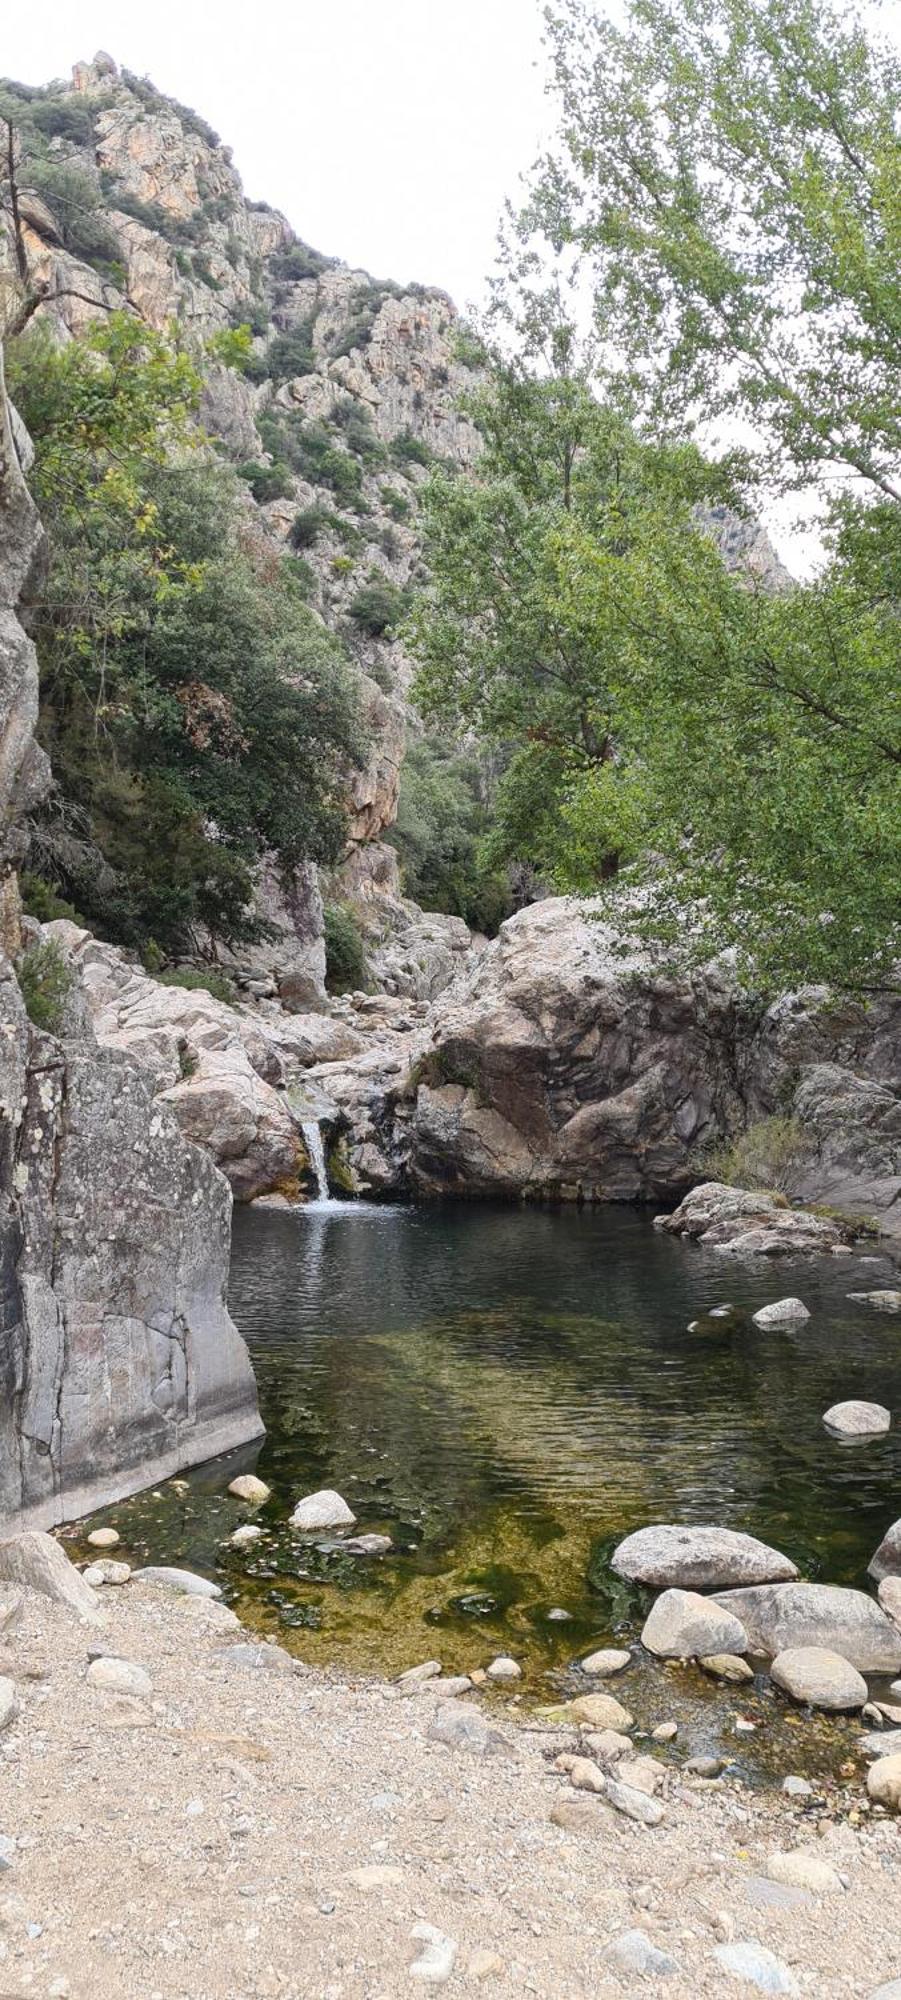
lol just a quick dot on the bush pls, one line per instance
(196, 981)
(302, 575)
(345, 954)
(397, 504)
(45, 982)
(443, 813)
(60, 118)
(40, 900)
(408, 449)
(266, 482)
(307, 527)
(767, 1156)
(298, 261)
(291, 354)
(72, 195)
(378, 608)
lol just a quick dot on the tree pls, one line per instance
(729, 172)
(196, 713)
(505, 643)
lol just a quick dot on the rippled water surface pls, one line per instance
(504, 1391)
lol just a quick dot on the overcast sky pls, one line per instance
(389, 131)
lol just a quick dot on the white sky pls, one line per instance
(388, 131)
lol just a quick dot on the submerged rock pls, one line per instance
(822, 1678)
(684, 1626)
(322, 1510)
(782, 1312)
(248, 1487)
(698, 1558)
(854, 1419)
(777, 1616)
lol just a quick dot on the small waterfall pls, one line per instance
(312, 1135)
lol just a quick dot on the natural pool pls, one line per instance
(507, 1391)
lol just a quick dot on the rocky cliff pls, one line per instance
(118, 1360)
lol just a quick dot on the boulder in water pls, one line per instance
(824, 1679)
(322, 1510)
(684, 1626)
(777, 1616)
(855, 1419)
(699, 1558)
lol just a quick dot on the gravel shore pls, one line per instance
(243, 1828)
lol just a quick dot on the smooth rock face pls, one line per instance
(855, 1419)
(779, 1616)
(783, 1312)
(825, 1680)
(699, 1558)
(887, 1559)
(684, 1626)
(890, 1598)
(182, 1580)
(38, 1562)
(884, 1782)
(322, 1510)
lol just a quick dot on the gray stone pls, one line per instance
(705, 1767)
(777, 1616)
(884, 1301)
(756, 1966)
(884, 1782)
(104, 1538)
(855, 1419)
(887, 1559)
(748, 1222)
(608, 1660)
(890, 1991)
(322, 1510)
(634, 1804)
(427, 1670)
(248, 1487)
(684, 1626)
(182, 1580)
(9, 1707)
(889, 1595)
(633, 1951)
(765, 1895)
(797, 1788)
(98, 1574)
(504, 1669)
(727, 1667)
(38, 1562)
(799, 1870)
(258, 1658)
(435, 1962)
(782, 1312)
(698, 1558)
(881, 1743)
(822, 1678)
(459, 1726)
(367, 1545)
(245, 1535)
(119, 1676)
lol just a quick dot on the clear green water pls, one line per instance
(505, 1391)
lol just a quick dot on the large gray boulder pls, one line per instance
(856, 1419)
(746, 1222)
(777, 1616)
(38, 1562)
(699, 1558)
(684, 1626)
(822, 1678)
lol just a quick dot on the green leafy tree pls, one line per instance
(196, 713)
(728, 171)
(442, 834)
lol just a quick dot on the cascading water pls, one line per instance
(312, 1135)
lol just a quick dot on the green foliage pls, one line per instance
(397, 503)
(291, 354)
(267, 482)
(345, 952)
(302, 575)
(196, 981)
(40, 900)
(72, 194)
(196, 713)
(308, 526)
(232, 345)
(151, 98)
(768, 1155)
(45, 982)
(443, 816)
(378, 608)
(298, 261)
(408, 449)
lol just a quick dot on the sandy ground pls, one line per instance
(205, 1842)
